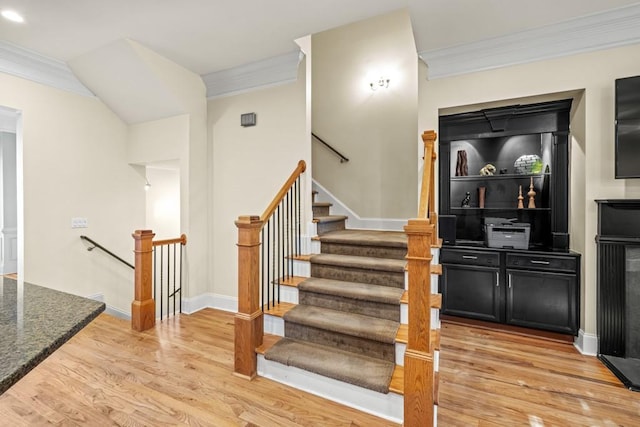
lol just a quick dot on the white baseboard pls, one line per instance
(586, 344)
(209, 300)
(354, 221)
(112, 311)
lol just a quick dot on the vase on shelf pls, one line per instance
(532, 195)
(462, 168)
(520, 198)
(481, 194)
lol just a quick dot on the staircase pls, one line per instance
(342, 334)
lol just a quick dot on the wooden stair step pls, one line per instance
(301, 257)
(279, 309)
(268, 340)
(397, 381)
(402, 337)
(435, 299)
(434, 269)
(292, 281)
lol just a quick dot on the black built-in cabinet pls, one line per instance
(535, 288)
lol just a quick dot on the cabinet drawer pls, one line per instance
(470, 257)
(542, 262)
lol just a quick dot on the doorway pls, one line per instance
(9, 191)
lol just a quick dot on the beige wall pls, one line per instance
(249, 165)
(590, 79)
(74, 152)
(190, 145)
(375, 130)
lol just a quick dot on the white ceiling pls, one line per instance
(205, 36)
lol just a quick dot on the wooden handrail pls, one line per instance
(302, 166)
(182, 240)
(427, 196)
(249, 323)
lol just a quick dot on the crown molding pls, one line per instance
(32, 66)
(613, 28)
(268, 72)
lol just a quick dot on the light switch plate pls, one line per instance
(79, 223)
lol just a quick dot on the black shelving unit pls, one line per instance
(534, 288)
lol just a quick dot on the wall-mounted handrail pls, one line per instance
(99, 246)
(326, 144)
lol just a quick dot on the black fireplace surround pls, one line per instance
(618, 304)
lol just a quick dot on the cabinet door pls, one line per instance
(471, 291)
(542, 300)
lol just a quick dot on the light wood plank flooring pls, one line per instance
(491, 378)
(181, 374)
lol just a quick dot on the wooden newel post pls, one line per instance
(418, 359)
(143, 307)
(249, 326)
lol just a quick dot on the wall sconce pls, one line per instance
(382, 82)
(147, 186)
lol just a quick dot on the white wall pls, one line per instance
(190, 147)
(74, 164)
(590, 79)
(376, 130)
(250, 164)
(163, 202)
(8, 204)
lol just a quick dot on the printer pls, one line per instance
(503, 233)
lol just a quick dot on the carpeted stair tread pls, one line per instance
(366, 263)
(395, 239)
(322, 204)
(362, 371)
(330, 218)
(353, 290)
(357, 325)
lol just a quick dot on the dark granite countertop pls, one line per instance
(34, 322)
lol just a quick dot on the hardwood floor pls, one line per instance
(491, 378)
(180, 373)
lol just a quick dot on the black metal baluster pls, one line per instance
(298, 214)
(168, 280)
(285, 259)
(273, 261)
(155, 274)
(181, 278)
(263, 249)
(174, 279)
(161, 279)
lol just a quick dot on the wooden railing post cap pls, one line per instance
(302, 165)
(429, 135)
(418, 225)
(248, 220)
(143, 234)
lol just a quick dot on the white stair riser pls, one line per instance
(273, 325)
(389, 406)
